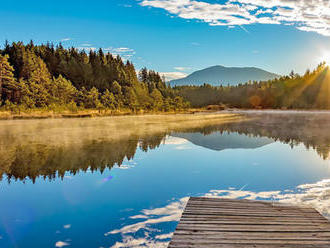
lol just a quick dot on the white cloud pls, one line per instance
(305, 15)
(86, 44)
(124, 52)
(164, 236)
(125, 5)
(170, 140)
(181, 68)
(67, 226)
(119, 49)
(169, 213)
(316, 195)
(173, 75)
(65, 39)
(130, 241)
(87, 48)
(61, 244)
(128, 165)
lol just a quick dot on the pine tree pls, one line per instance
(7, 80)
(116, 88)
(62, 90)
(143, 75)
(108, 100)
(44, 75)
(157, 99)
(92, 99)
(130, 98)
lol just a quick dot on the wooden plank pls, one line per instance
(239, 217)
(190, 245)
(252, 228)
(250, 235)
(227, 223)
(238, 213)
(250, 208)
(251, 242)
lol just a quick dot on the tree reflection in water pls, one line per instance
(51, 148)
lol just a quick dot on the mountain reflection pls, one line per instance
(293, 128)
(51, 148)
(219, 141)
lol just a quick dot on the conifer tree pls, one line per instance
(48, 75)
(7, 80)
(62, 90)
(108, 100)
(157, 99)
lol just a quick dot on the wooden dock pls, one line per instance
(225, 223)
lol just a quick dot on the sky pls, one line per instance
(177, 37)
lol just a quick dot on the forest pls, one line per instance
(56, 78)
(308, 91)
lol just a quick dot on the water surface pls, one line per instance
(123, 181)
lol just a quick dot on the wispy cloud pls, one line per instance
(244, 29)
(305, 15)
(170, 140)
(173, 75)
(65, 39)
(316, 195)
(86, 45)
(169, 213)
(181, 68)
(86, 48)
(124, 52)
(125, 5)
(68, 226)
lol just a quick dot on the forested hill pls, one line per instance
(308, 91)
(220, 75)
(44, 76)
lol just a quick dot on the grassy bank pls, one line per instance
(84, 113)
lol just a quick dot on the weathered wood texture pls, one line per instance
(224, 223)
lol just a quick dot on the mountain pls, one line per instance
(222, 141)
(220, 75)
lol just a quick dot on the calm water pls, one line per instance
(123, 182)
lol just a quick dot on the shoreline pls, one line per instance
(42, 114)
(277, 111)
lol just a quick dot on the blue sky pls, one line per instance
(178, 37)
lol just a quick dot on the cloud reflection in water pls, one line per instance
(316, 195)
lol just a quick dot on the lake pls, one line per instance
(124, 181)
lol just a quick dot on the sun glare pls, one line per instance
(326, 57)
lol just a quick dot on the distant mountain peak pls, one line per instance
(220, 75)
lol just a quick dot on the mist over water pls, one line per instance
(124, 181)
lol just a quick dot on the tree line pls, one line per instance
(308, 91)
(53, 77)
